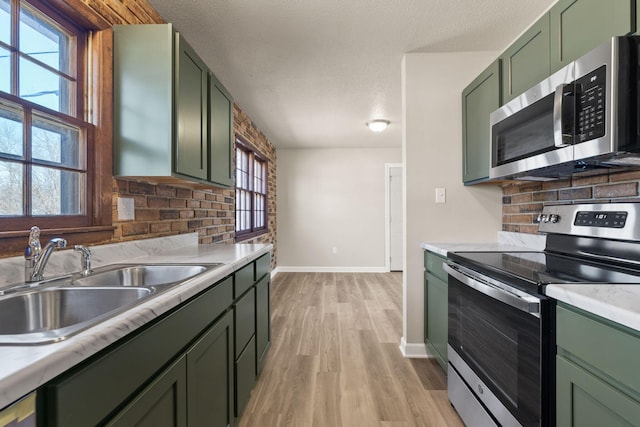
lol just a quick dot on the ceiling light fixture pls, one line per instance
(378, 125)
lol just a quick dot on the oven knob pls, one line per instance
(553, 218)
(544, 218)
(480, 389)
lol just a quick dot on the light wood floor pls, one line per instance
(335, 359)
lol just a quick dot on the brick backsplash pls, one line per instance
(163, 210)
(523, 201)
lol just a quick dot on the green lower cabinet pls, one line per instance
(263, 321)
(584, 400)
(577, 26)
(479, 100)
(597, 378)
(197, 390)
(162, 404)
(436, 321)
(210, 384)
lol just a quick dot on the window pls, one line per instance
(251, 192)
(43, 132)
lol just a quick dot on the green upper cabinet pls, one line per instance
(172, 118)
(578, 26)
(143, 100)
(220, 133)
(526, 62)
(479, 100)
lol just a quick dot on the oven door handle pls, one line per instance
(528, 304)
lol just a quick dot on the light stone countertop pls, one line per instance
(618, 303)
(506, 242)
(25, 368)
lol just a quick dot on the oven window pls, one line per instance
(502, 345)
(481, 332)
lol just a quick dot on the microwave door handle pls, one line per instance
(522, 304)
(560, 138)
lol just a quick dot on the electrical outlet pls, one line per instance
(126, 209)
(334, 250)
(441, 195)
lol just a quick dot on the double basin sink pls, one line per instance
(54, 309)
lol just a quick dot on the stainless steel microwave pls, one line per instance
(581, 120)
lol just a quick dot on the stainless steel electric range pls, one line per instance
(502, 326)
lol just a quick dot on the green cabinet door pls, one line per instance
(437, 320)
(220, 133)
(245, 376)
(161, 404)
(577, 26)
(191, 79)
(210, 376)
(479, 100)
(526, 62)
(143, 100)
(263, 321)
(584, 400)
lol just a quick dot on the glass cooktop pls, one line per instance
(535, 269)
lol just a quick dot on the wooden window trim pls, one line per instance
(247, 146)
(98, 106)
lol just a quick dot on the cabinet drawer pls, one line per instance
(606, 346)
(263, 266)
(244, 320)
(243, 280)
(434, 265)
(245, 376)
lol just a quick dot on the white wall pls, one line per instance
(332, 198)
(432, 152)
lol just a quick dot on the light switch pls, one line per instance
(126, 209)
(441, 195)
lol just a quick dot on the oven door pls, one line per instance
(498, 346)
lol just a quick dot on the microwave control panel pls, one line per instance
(590, 105)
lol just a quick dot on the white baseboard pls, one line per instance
(414, 350)
(285, 269)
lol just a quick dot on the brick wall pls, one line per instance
(522, 202)
(244, 127)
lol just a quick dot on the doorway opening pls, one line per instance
(394, 217)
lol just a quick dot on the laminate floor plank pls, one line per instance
(335, 361)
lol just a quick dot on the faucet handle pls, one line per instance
(86, 259)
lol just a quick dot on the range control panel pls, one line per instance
(612, 219)
(620, 221)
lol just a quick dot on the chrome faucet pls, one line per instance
(85, 260)
(36, 257)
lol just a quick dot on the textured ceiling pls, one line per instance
(310, 73)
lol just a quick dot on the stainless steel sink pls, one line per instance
(52, 310)
(52, 314)
(141, 275)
